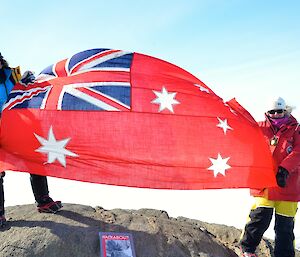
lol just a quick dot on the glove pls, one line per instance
(281, 176)
(27, 78)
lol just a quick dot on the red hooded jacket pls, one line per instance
(285, 154)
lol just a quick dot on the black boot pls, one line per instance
(46, 204)
(3, 222)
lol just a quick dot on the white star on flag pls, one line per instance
(54, 148)
(165, 99)
(224, 125)
(219, 165)
(233, 111)
(202, 89)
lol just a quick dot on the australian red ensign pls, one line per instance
(123, 118)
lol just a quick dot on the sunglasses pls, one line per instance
(276, 111)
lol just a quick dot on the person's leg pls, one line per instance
(2, 174)
(2, 211)
(284, 228)
(259, 220)
(39, 187)
(40, 190)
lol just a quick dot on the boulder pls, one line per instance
(74, 231)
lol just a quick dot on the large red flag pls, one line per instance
(120, 118)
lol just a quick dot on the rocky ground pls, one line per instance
(74, 231)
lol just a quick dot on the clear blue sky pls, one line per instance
(248, 49)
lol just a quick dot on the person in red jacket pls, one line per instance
(282, 133)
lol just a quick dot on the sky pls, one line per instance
(239, 48)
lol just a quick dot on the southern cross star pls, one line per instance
(202, 89)
(54, 148)
(232, 111)
(224, 125)
(219, 165)
(165, 100)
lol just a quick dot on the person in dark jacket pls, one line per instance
(8, 78)
(282, 133)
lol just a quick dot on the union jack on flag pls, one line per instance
(96, 79)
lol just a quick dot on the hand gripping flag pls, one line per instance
(121, 118)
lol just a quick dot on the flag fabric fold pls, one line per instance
(120, 118)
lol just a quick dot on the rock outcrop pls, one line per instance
(74, 231)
